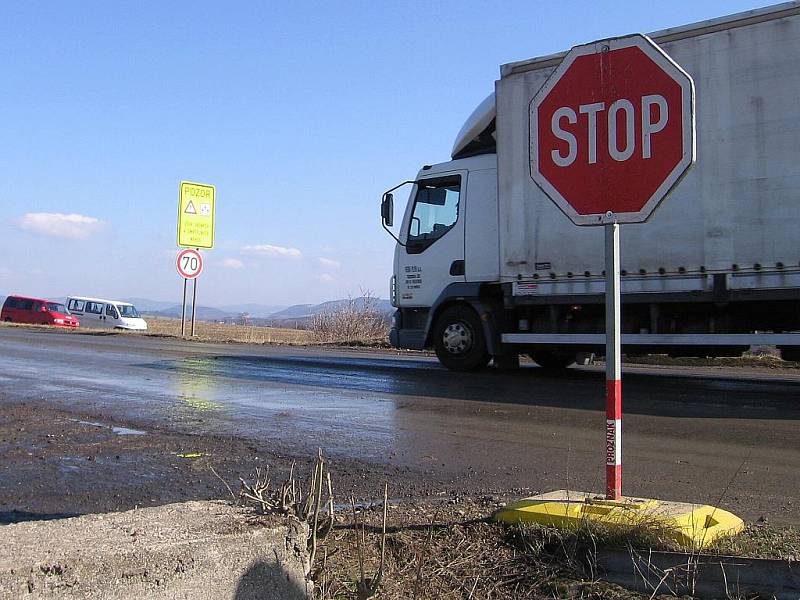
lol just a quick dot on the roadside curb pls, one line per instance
(700, 575)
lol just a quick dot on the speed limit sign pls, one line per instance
(189, 263)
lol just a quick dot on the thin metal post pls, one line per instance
(613, 366)
(183, 309)
(194, 302)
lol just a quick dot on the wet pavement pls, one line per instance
(691, 434)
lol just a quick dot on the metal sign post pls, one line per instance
(189, 264)
(613, 364)
(194, 302)
(183, 309)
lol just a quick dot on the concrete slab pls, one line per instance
(197, 550)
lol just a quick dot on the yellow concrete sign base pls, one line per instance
(690, 525)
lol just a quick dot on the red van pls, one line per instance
(20, 309)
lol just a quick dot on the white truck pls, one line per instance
(487, 267)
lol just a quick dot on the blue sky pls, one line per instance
(300, 113)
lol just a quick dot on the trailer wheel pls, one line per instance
(552, 360)
(459, 341)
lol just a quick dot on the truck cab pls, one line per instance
(447, 248)
(487, 267)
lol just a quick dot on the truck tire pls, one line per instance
(552, 360)
(459, 341)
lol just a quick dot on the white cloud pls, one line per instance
(329, 262)
(232, 263)
(326, 278)
(72, 226)
(276, 251)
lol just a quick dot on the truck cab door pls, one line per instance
(433, 234)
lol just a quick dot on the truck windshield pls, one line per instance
(57, 308)
(128, 310)
(435, 211)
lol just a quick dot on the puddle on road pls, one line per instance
(127, 431)
(69, 465)
(114, 429)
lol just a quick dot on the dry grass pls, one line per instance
(223, 332)
(453, 551)
(205, 331)
(759, 361)
(358, 322)
(761, 540)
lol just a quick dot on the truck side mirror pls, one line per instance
(387, 209)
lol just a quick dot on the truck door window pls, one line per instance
(435, 212)
(111, 311)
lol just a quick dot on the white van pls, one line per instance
(106, 314)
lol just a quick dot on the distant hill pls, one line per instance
(204, 313)
(254, 310)
(306, 311)
(147, 305)
(297, 311)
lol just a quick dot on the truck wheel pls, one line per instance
(552, 360)
(459, 341)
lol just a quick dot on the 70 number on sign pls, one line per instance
(189, 263)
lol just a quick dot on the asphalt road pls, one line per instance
(727, 436)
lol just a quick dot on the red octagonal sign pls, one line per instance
(612, 131)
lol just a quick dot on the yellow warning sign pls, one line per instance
(196, 215)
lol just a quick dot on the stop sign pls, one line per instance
(612, 130)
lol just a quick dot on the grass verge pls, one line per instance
(452, 550)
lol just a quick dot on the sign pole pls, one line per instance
(194, 302)
(613, 364)
(183, 309)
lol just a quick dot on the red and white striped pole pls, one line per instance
(613, 364)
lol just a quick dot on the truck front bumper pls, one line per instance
(411, 339)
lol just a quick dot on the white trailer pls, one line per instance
(487, 266)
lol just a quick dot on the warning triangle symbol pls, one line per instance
(190, 209)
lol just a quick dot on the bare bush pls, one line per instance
(359, 320)
(288, 500)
